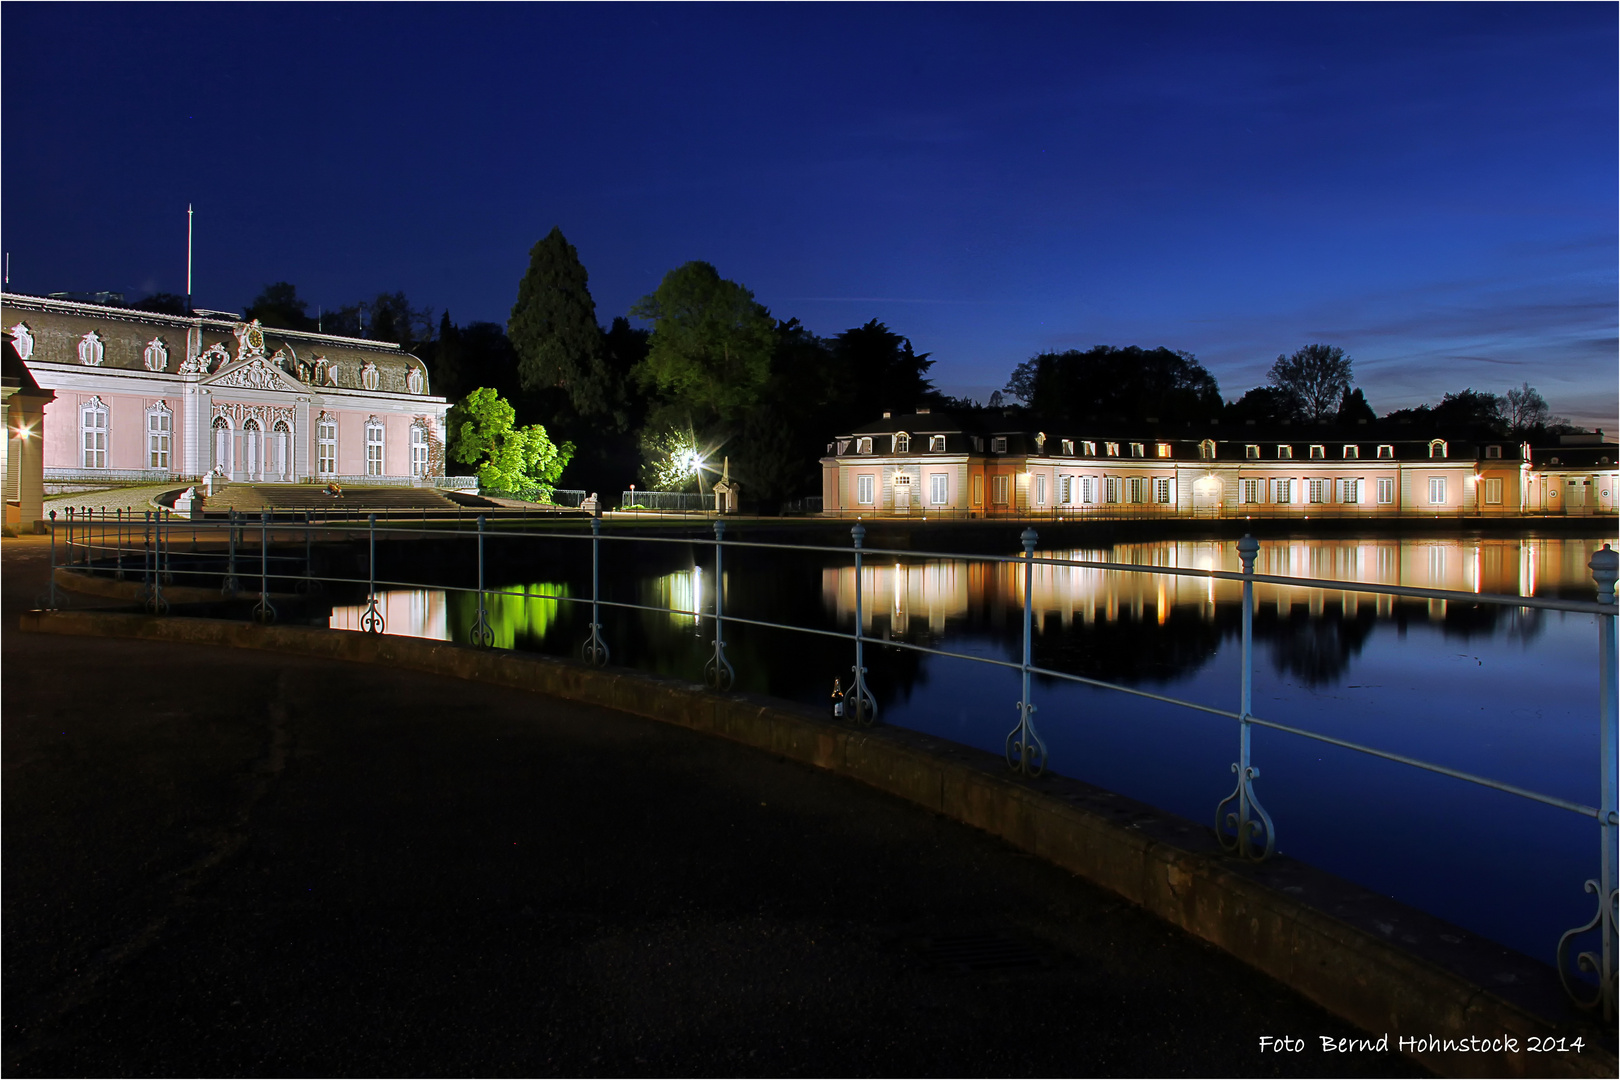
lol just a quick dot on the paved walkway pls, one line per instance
(221, 862)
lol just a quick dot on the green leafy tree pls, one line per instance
(524, 461)
(553, 329)
(711, 343)
(1315, 379)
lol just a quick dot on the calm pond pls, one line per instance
(1505, 693)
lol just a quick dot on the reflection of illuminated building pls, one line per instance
(948, 589)
(512, 612)
(408, 612)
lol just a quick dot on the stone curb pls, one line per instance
(1367, 979)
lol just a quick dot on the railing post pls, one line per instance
(155, 603)
(264, 611)
(51, 588)
(1248, 819)
(308, 584)
(1605, 567)
(595, 650)
(118, 572)
(718, 672)
(372, 621)
(860, 698)
(67, 546)
(166, 544)
(1026, 751)
(482, 635)
(231, 586)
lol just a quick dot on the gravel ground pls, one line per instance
(224, 862)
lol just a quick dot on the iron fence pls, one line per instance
(143, 547)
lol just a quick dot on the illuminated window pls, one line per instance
(1318, 453)
(1111, 489)
(1138, 489)
(1112, 448)
(1164, 449)
(1284, 453)
(863, 489)
(1068, 447)
(1318, 491)
(998, 490)
(938, 487)
(978, 489)
(1350, 491)
(902, 443)
(1251, 491)
(1251, 452)
(1437, 448)
(936, 444)
(1282, 491)
(93, 432)
(863, 446)
(1206, 450)
(1386, 491)
(1493, 491)
(1089, 449)
(374, 447)
(1493, 452)
(419, 450)
(1161, 489)
(326, 446)
(159, 436)
(1352, 452)
(1386, 452)
(1088, 489)
(1437, 490)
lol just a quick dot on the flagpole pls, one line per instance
(188, 258)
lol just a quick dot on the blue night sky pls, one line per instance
(1432, 188)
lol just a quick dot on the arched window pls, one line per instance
(280, 445)
(91, 350)
(368, 376)
(159, 436)
(374, 447)
(156, 355)
(419, 450)
(93, 433)
(222, 447)
(325, 446)
(1437, 448)
(415, 381)
(253, 449)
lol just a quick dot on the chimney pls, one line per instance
(887, 414)
(922, 410)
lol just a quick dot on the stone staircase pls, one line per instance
(252, 499)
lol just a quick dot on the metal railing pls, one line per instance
(681, 501)
(145, 545)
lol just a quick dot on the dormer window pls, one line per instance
(1318, 453)
(1206, 450)
(1040, 442)
(1164, 449)
(902, 443)
(936, 444)
(1068, 448)
(1138, 450)
(1088, 448)
(998, 444)
(91, 350)
(1251, 452)
(978, 444)
(1386, 453)
(1352, 452)
(1285, 453)
(1493, 452)
(863, 446)
(1437, 448)
(1112, 448)
(843, 447)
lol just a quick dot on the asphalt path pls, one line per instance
(221, 862)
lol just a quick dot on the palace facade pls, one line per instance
(143, 396)
(922, 462)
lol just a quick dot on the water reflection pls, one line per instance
(517, 614)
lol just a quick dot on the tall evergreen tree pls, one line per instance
(553, 329)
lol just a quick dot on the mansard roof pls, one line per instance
(58, 326)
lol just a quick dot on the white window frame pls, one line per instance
(1437, 491)
(1386, 491)
(95, 433)
(939, 488)
(1161, 489)
(374, 447)
(1352, 452)
(1493, 491)
(419, 450)
(1249, 490)
(159, 439)
(1138, 449)
(1000, 490)
(1350, 490)
(863, 446)
(1088, 489)
(1386, 452)
(224, 445)
(1111, 489)
(1065, 489)
(1318, 452)
(998, 444)
(326, 445)
(1112, 449)
(92, 351)
(1285, 452)
(1282, 490)
(1251, 452)
(1493, 452)
(865, 484)
(902, 443)
(1137, 491)
(1437, 449)
(1040, 489)
(1164, 449)
(936, 444)
(1089, 448)
(1068, 447)
(1317, 490)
